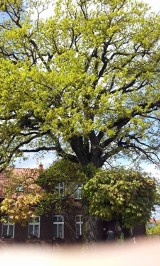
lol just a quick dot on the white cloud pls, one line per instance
(155, 4)
(45, 10)
(153, 170)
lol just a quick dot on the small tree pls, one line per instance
(153, 229)
(22, 195)
(124, 195)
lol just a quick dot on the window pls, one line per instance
(34, 227)
(8, 229)
(79, 224)
(78, 192)
(60, 188)
(19, 188)
(58, 226)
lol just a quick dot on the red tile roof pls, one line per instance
(154, 221)
(32, 172)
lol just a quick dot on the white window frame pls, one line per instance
(19, 188)
(8, 224)
(58, 223)
(60, 188)
(34, 223)
(78, 192)
(79, 223)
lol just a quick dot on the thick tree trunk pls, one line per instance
(92, 229)
(127, 233)
(88, 151)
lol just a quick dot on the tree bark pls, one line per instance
(87, 152)
(127, 233)
(92, 229)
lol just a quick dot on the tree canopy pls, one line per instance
(22, 195)
(83, 83)
(124, 195)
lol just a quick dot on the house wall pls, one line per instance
(46, 225)
(46, 230)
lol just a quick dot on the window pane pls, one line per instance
(31, 220)
(36, 230)
(79, 224)
(55, 230)
(77, 218)
(78, 231)
(55, 218)
(60, 219)
(4, 230)
(19, 188)
(61, 190)
(30, 230)
(78, 192)
(10, 231)
(9, 221)
(37, 219)
(61, 184)
(60, 231)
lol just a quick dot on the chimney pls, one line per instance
(40, 167)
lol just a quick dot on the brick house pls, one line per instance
(51, 228)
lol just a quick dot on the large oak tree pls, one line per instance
(83, 83)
